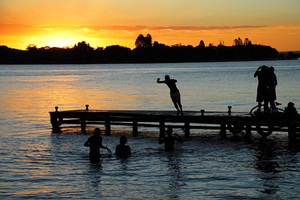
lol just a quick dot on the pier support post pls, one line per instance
(54, 121)
(107, 126)
(202, 112)
(83, 125)
(187, 128)
(248, 129)
(55, 124)
(223, 130)
(229, 109)
(161, 129)
(135, 127)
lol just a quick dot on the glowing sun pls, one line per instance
(60, 42)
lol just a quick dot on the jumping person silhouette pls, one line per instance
(174, 92)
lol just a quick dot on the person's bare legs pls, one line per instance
(176, 106)
(259, 106)
(180, 106)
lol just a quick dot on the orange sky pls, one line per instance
(118, 22)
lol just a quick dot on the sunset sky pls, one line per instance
(103, 23)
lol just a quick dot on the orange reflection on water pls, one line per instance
(40, 189)
(31, 99)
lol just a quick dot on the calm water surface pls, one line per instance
(37, 164)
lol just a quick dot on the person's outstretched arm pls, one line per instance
(104, 147)
(257, 71)
(159, 81)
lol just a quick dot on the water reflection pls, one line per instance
(272, 159)
(95, 174)
(174, 173)
(123, 162)
(266, 154)
(42, 165)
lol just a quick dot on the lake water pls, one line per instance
(38, 164)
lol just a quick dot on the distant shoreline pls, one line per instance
(84, 54)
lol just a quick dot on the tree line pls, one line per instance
(145, 51)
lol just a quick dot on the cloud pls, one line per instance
(86, 30)
(175, 28)
(90, 29)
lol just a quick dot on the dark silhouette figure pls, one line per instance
(291, 112)
(95, 143)
(169, 140)
(174, 92)
(271, 85)
(262, 88)
(123, 150)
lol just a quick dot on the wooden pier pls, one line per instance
(234, 122)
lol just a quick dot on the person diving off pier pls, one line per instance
(174, 92)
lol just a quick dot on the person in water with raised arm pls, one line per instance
(95, 143)
(174, 92)
(169, 139)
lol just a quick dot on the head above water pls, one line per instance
(123, 139)
(291, 104)
(169, 131)
(97, 131)
(167, 77)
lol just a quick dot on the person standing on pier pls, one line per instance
(170, 140)
(174, 92)
(272, 83)
(95, 143)
(262, 90)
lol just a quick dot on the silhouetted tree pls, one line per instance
(201, 43)
(83, 46)
(247, 42)
(117, 54)
(221, 43)
(237, 42)
(99, 49)
(31, 47)
(143, 42)
(82, 52)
